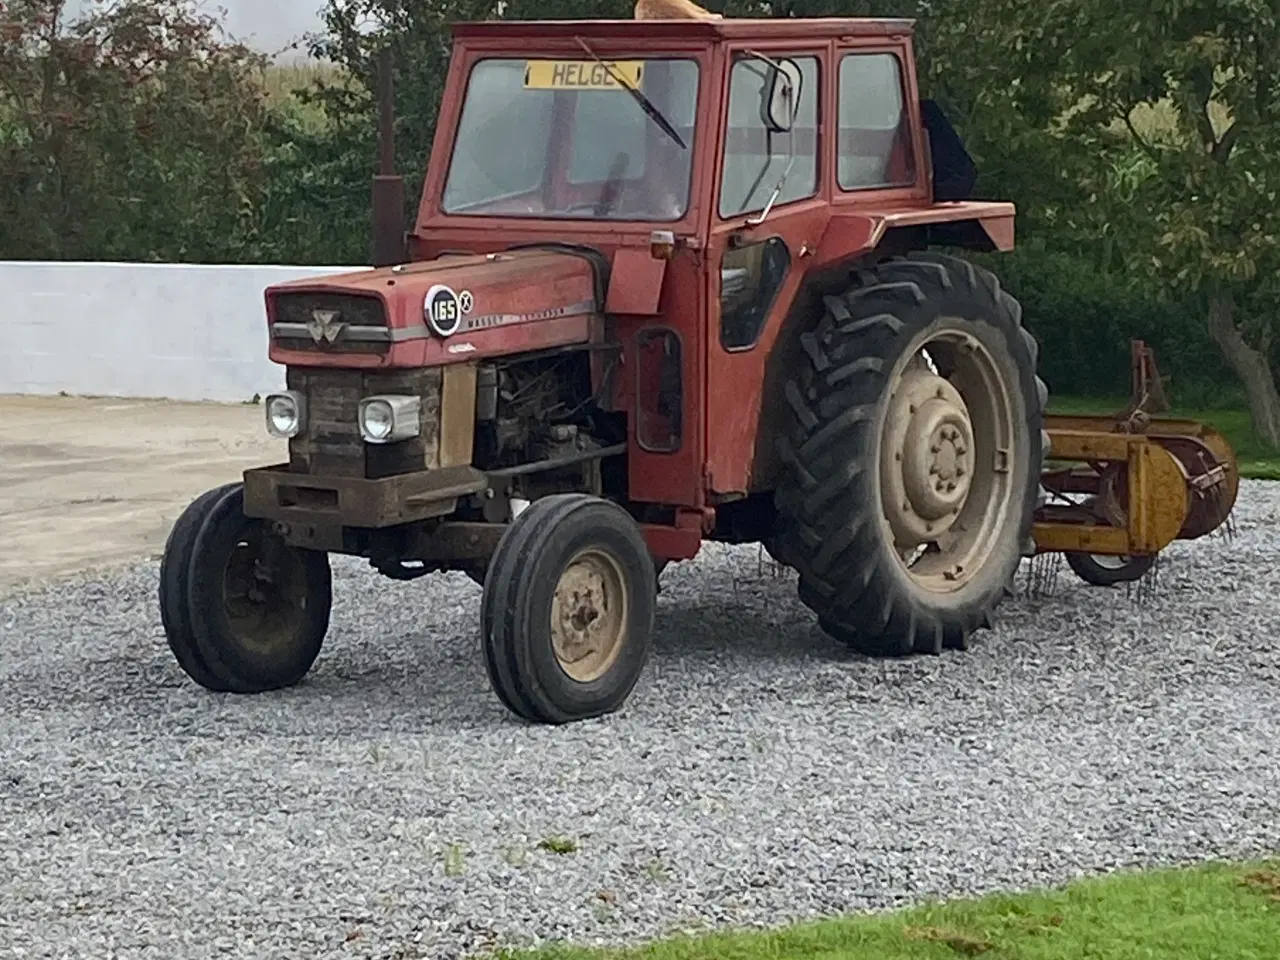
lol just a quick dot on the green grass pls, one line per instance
(1256, 461)
(559, 845)
(1213, 912)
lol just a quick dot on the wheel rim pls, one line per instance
(1107, 562)
(589, 615)
(947, 460)
(264, 589)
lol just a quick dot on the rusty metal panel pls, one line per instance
(330, 444)
(1157, 497)
(278, 493)
(1086, 444)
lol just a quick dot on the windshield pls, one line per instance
(562, 139)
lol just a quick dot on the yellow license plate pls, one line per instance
(581, 74)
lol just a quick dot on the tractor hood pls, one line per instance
(448, 310)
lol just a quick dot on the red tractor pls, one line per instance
(669, 281)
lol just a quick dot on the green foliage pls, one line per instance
(1084, 319)
(1208, 183)
(1186, 206)
(133, 133)
(314, 205)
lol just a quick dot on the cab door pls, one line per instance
(755, 269)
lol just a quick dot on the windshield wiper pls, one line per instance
(645, 103)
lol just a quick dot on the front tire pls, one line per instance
(258, 608)
(175, 564)
(912, 464)
(568, 609)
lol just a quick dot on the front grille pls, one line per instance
(361, 322)
(330, 444)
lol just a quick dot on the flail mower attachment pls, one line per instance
(1120, 488)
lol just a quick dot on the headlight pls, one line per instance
(388, 419)
(284, 413)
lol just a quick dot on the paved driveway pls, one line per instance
(91, 482)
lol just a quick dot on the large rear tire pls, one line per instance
(568, 609)
(913, 459)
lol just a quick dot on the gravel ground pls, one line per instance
(390, 808)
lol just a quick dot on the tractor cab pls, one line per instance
(684, 125)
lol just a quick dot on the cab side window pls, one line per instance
(875, 148)
(751, 278)
(754, 156)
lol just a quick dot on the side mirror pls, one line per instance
(782, 96)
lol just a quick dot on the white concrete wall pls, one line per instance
(174, 331)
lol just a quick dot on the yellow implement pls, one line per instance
(1128, 485)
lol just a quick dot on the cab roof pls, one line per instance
(782, 28)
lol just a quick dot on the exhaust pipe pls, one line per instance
(389, 242)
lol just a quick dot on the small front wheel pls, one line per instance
(175, 565)
(1100, 570)
(568, 609)
(257, 608)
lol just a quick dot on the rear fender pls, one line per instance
(850, 239)
(971, 225)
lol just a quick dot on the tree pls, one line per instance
(1169, 111)
(130, 133)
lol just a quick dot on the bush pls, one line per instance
(1084, 319)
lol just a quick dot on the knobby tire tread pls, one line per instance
(174, 573)
(829, 524)
(503, 614)
(204, 590)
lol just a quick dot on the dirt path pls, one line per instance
(96, 482)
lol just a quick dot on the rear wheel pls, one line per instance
(568, 609)
(258, 608)
(912, 464)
